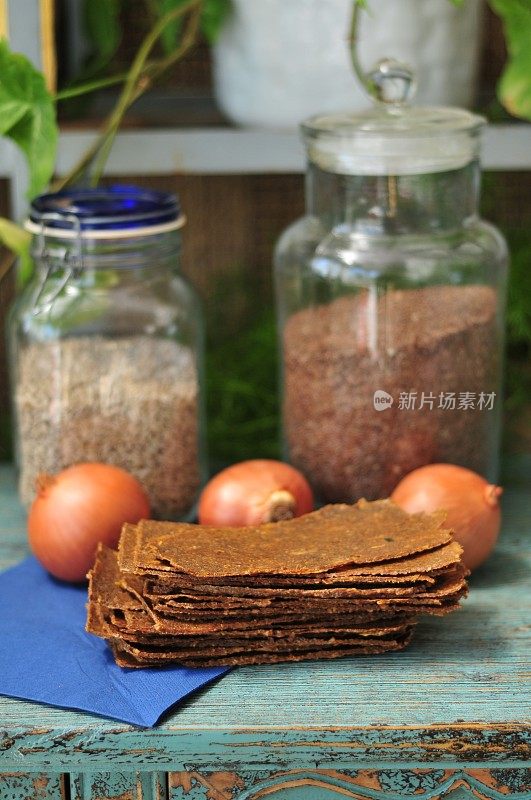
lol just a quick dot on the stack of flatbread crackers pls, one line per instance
(340, 581)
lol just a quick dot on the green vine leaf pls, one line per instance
(214, 15)
(27, 115)
(514, 88)
(16, 239)
(102, 24)
(14, 236)
(171, 32)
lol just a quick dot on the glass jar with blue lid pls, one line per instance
(106, 345)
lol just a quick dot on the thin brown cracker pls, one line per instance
(214, 649)
(269, 596)
(102, 585)
(419, 568)
(341, 581)
(249, 658)
(124, 614)
(333, 537)
(378, 628)
(142, 623)
(167, 584)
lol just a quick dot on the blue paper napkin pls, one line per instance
(46, 655)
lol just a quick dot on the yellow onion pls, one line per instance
(253, 492)
(471, 503)
(74, 510)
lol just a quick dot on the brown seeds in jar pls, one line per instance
(435, 340)
(132, 402)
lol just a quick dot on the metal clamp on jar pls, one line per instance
(390, 299)
(106, 345)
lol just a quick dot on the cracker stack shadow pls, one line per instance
(340, 581)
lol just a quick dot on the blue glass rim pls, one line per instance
(109, 208)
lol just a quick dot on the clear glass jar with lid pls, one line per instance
(106, 345)
(390, 300)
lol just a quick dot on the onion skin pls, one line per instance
(472, 505)
(254, 492)
(74, 510)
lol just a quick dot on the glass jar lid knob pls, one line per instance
(391, 82)
(394, 137)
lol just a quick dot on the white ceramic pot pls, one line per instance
(277, 62)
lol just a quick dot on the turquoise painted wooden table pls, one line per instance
(446, 718)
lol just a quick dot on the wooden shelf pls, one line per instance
(225, 150)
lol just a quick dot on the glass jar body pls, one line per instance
(106, 365)
(390, 301)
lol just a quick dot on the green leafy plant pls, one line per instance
(104, 32)
(514, 86)
(242, 395)
(213, 15)
(27, 115)
(102, 25)
(28, 111)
